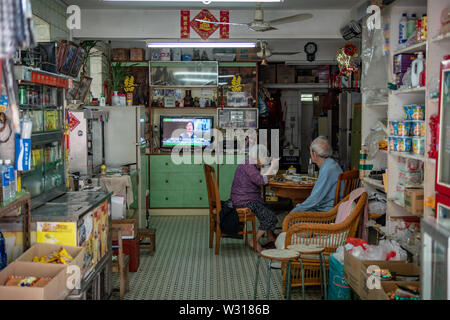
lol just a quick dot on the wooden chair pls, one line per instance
(245, 214)
(317, 228)
(121, 265)
(351, 182)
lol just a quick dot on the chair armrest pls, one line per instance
(318, 234)
(294, 218)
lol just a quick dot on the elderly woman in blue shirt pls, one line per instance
(322, 195)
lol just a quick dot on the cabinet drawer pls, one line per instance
(165, 181)
(195, 181)
(195, 199)
(163, 164)
(166, 199)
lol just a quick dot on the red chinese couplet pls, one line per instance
(185, 24)
(225, 28)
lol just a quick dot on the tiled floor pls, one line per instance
(184, 267)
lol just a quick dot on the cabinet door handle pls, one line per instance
(167, 198)
(201, 181)
(167, 163)
(201, 198)
(167, 181)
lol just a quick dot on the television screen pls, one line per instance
(185, 131)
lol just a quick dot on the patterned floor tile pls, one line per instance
(185, 268)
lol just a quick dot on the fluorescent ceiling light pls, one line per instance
(204, 1)
(199, 44)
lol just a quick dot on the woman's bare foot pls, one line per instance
(258, 246)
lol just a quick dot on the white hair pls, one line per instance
(258, 152)
(321, 146)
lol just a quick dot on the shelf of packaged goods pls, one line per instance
(186, 108)
(414, 250)
(132, 64)
(373, 182)
(445, 36)
(409, 90)
(169, 87)
(421, 46)
(46, 137)
(296, 85)
(407, 155)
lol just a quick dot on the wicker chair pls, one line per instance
(245, 214)
(351, 182)
(316, 228)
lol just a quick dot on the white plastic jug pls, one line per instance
(417, 69)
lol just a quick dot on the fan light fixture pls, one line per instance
(200, 44)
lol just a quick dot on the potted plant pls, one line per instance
(118, 74)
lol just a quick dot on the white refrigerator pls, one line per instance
(125, 144)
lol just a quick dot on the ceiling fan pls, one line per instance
(258, 24)
(264, 52)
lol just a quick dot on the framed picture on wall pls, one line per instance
(81, 54)
(69, 58)
(83, 88)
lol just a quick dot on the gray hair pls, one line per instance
(321, 146)
(259, 152)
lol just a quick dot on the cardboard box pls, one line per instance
(137, 54)
(120, 55)
(44, 249)
(246, 55)
(268, 74)
(285, 74)
(414, 200)
(306, 79)
(355, 271)
(388, 286)
(129, 226)
(54, 290)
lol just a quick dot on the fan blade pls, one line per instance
(285, 53)
(296, 18)
(228, 23)
(259, 29)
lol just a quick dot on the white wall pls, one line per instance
(142, 24)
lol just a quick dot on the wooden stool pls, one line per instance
(149, 234)
(282, 255)
(311, 250)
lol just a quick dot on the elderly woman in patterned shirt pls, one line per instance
(246, 193)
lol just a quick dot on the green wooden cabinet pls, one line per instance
(183, 185)
(176, 185)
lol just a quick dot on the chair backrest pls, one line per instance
(116, 235)
(350, 181)
(330, 236)
(213, 191)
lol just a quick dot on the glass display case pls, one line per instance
(41, 99)
(247, 73)
(183, 84)
(443, 161)
(435, 263)
(184, 74)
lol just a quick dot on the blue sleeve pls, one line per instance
(316, 196)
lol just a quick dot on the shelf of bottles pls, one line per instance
(43, 105)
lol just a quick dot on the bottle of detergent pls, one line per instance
(5, 181)
(403, 29)
(417, 67)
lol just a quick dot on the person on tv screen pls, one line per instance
(189, 133)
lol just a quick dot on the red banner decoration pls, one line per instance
(73, 122)
(204, 30)
(185, 24)
(47, 79)
(225, 28)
